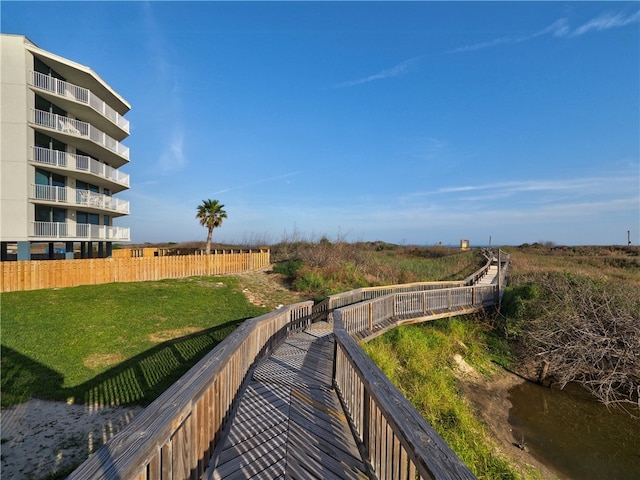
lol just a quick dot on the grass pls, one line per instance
(113, 344)
(418, 359)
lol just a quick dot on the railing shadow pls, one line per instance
(138, 380)
(142, 378)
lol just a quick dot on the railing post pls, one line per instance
(366, 421)
(424, 303)
(371, 316)
(499, 268)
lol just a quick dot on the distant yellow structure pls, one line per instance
(464, 244)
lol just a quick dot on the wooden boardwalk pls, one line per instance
(289, 423)
(240, 414)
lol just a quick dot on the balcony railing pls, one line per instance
(79, 231)
(77, 128)
(80, 163)
(51, 193)
(80, 95)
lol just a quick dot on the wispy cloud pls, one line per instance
(607, 21)
(571, 188)
(173, 158)
(249, 184)
(482, 45)
(559, 29)
(398, 70)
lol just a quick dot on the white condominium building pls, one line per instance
(61, 128)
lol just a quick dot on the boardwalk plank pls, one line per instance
(289, 423)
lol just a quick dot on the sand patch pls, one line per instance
(165, 335)
(40, 437)
(100, 360)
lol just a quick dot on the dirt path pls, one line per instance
(265, 288)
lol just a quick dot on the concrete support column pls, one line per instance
(24, 251)
(100, 249)
(51, 251)
(89, 249)
(83, 249)
(69, 251)
(3, 251)
(109, 249)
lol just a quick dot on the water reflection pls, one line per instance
(575, 435)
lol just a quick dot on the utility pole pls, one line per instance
(629, 238)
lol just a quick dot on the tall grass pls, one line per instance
(323, 268)
(418, 359)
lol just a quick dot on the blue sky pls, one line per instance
(412, 123)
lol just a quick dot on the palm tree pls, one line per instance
(210, 214)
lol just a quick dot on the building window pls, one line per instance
(50, 214)
(41, 67)
(49, 178)
(88, 218)
(45, 141)
(80, 185)
(46, 106)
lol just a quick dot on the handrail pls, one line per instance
(79, 231)
(322, 311)
(82, 163)
(71, 126)
(52, 193)
(175, 436)
(397, 439)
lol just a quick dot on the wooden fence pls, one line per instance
(39, 274)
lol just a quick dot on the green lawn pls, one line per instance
(116, 343)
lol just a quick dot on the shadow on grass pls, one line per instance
(138, 380)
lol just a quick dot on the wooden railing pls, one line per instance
(398, 442)
(175, 436)
(324, 309)
(477, 275)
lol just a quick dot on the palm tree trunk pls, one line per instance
(209, 235)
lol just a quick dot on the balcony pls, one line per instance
(84, 198)
(80, 95)
(82, 164)
(79, 232)
(87, 137)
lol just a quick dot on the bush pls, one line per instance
(288, 268)
(580, 329)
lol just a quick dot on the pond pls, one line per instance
(575, 435)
